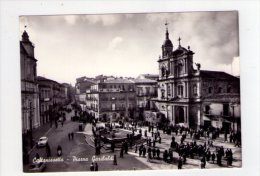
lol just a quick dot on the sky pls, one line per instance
(72, 46)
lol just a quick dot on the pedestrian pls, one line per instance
(213, 156)
(225, 136)
(136, 148)
(62, 123)
(154, 152)
(140, 150)
(113, 147)
(144, 151)
(69, 136)
(59, 150)
(203, 163)
(158, 153)
(149, 156)
(180, 162)
(92, 168)
(153, 143)
(160, 139)
(165, 156)
(96, 167)
(72, 135)
(48, 150)
(184, 158)
(122, 152)
(115, 160)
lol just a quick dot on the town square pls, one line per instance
(113, 111)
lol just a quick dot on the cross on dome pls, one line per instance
(179, 39)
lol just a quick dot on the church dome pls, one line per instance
(167, 43)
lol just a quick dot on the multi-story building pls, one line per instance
(46, 98)
(112, 99)
(52, 95)
(146, 89)
(29, 89)
(69, 92)
(83, 84)
(194, 97)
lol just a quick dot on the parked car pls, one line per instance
(61, 119)
(42, 141)
(37, 167)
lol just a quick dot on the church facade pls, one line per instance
(192, 97)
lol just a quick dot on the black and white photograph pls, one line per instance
(149, 91)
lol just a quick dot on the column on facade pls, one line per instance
(185, 88)
(188, 89)
(185, 66)
(185, 114)
(188, 114)
(198, 89)
(172, 89)
(166, 91)
(173, 114)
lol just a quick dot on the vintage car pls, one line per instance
(42, 141)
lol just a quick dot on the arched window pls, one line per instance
(179, 69)
(180, 90)
(163, 71)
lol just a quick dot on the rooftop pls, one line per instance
(216, 75)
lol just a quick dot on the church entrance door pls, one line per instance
(180, 115)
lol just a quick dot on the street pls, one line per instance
(78, 152)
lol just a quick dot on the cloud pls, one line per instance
(106, 20)
(233, 68)
(114, 43)
(131, 42)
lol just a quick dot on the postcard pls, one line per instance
(140, 91)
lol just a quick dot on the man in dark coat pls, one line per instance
(96, 167)
(92, 167)
(213, 156)
(140, 150)
(122, 152)
(113, 147)
(144, 151)
(154, 152)
(180, 162)
(48, 150)
(115, 160)
(158, 153)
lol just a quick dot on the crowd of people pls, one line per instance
(200, 145)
